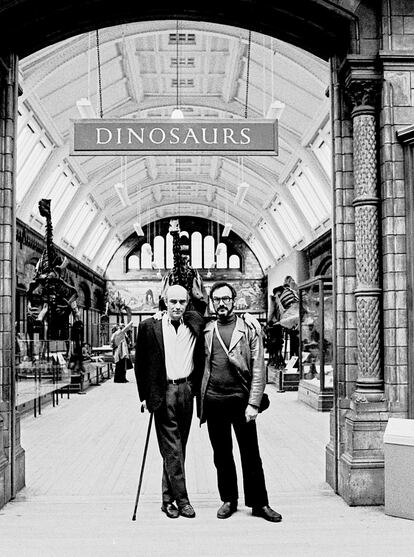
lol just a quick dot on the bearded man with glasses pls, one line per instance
(231, 392)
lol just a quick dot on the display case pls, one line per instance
(316, 343)
(42, 372)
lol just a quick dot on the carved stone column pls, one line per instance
(11, 454)
(361, 465)
(369, 385)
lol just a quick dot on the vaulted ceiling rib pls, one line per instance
(138, 68)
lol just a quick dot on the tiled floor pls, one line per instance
(83, 461)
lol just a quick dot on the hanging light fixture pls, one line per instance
(85, 108)
(84, 104)
(138, 229)
(226, 229)
(122, 194)
(276, 108)
(242, 190)
(121, 188)
(177, 113)
(137, 224)
(147, 249)
(227, 223)
(243, 186)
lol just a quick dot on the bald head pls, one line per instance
(176, 299)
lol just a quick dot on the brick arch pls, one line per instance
(325, 267)
(84, 295)
(319, 26)
(97, 299)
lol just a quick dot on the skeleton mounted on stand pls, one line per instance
(50, 299)
(182, 273)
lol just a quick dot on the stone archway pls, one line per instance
(323, 27)
(368, 231)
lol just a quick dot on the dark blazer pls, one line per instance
(150, 371)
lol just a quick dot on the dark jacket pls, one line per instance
(245, 355)
(150, 371)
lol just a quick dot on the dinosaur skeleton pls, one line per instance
(182, 273)
(50, 298)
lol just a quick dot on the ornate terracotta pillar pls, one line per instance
(369, 384)
(361, 463)
(11, 454)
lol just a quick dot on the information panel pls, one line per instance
(167, 137)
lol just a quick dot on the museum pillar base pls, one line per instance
(361, 465)
(20, 460)
(5, 483)
(330, 454)
(6, 492)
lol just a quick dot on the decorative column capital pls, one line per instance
(362, 95)
(361, 78)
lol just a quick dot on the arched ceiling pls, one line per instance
(322, 27)
(138, 69)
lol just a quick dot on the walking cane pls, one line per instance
(144, 456)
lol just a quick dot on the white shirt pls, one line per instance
(179, 349)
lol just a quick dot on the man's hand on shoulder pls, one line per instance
(158, 316)
(252, 322)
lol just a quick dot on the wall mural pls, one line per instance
(140, 296)
(251, 295)
(143, 296)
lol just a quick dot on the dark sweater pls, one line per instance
(224, 381)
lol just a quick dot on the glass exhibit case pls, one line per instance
(49, 369)
(42, 372)
(316, 343)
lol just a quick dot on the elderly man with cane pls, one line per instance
(168, 365)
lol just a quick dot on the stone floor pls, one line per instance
(83, 460)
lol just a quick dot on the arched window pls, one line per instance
(234, 262)
(208, 252)
(84, 296)
(133, 263)
(146, 256)
(196, 250)
(159, 258)
(221, 256)
(98, 299)
(169, 251)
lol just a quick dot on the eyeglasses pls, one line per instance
(224, 299)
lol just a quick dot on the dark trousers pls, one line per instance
(221, 416)
(172, 424)
(120, 371)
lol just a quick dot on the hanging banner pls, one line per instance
(172, 137)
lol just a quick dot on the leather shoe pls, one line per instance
(187, 511)
(227, 509)
(267, 513)
(170, 510)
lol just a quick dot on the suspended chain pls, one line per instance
(178, 160)
(177, 71)
(248, 73)
(98, 55)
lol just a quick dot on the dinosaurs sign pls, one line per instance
(166, 137)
